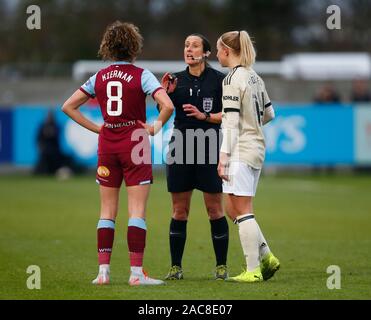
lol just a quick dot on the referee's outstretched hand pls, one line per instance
(169, 82)
(193, 111)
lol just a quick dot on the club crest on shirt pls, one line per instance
(207, 104)
(103, 171)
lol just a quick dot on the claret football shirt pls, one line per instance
(121, 91)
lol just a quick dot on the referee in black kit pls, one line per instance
(197, 96)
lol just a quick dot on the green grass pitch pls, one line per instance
(309, 222)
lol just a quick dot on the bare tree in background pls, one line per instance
(72, 29)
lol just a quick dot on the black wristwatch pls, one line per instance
(207, 114)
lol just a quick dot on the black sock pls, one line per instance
(177, 237)
(220, 236)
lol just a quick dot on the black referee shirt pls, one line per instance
(204, 92)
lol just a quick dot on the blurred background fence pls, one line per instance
(301, 135)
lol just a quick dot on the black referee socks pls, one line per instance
(220, 237)
(177, 237)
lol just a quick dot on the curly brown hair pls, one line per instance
(121, 41)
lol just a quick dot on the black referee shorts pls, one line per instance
(186, 177)
(183, 177)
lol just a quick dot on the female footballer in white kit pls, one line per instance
(246, 108)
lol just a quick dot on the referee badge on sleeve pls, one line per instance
(207, 104)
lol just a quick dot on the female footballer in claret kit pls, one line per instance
(121, 91)
(246, 108)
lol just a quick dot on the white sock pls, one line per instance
(249, 237)
(263, 244)
(104, 268)
(136, 270)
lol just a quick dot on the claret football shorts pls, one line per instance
(115, 167)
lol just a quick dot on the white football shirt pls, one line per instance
(244, 94)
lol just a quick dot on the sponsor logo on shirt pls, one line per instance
(232, 98)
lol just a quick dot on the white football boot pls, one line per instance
(142, 279)
(103, 275)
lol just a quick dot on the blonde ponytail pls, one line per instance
(247, 52)
(240, 42)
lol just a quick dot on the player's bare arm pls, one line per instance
(166, 108)
(71, 108)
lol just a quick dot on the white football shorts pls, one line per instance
(243, 179)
